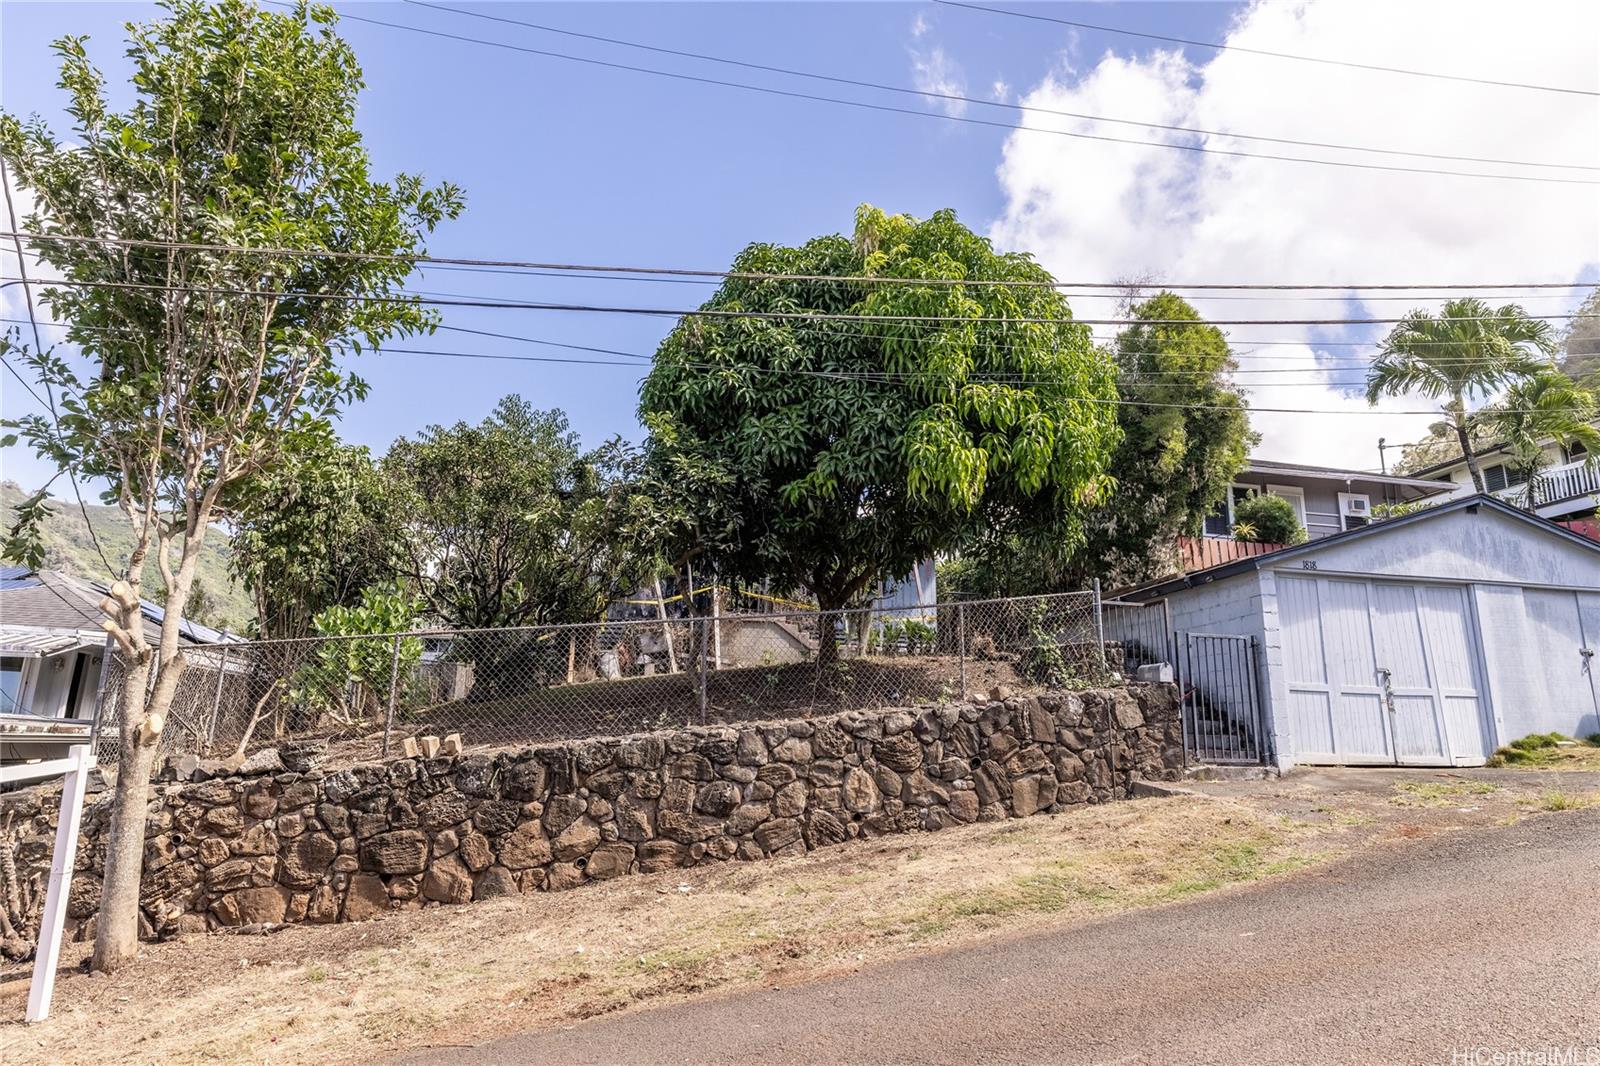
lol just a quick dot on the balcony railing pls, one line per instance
(1557, 483)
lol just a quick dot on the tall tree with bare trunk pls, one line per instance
(207, 320)
(1466, 352)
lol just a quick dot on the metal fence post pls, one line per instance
(961, 647)
(394, 678)
(700, 666)
(1100, 632)
(108, 659)
(216, 698)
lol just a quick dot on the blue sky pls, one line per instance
(572, 163)
(565, 162)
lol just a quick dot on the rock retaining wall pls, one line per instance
(349, 844)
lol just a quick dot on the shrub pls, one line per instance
(1267, 520)
(346, 674)
(1042, 662)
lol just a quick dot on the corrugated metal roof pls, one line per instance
(52, 600)
(26, 640)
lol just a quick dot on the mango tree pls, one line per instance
(926, 389)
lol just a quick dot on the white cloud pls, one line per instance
(1091, 210)
(933, 71)
(1000, 90)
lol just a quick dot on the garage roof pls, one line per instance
(1255, 562)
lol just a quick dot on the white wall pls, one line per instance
(1244, 605)
(1463, 547)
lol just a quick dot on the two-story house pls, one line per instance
(1327, 500)
(1566, 488)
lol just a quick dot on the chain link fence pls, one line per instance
(504, 687)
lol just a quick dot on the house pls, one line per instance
(1565, 488)
(52, 663)
(1429, 639)
(1326, 499)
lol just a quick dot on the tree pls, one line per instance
(1533, 412)
(322, 527)
(852, 448)
(205, 365)
(1185, 435)
(1469, 350)
(1267, 519)
(1580, 341)
(511, 523)
(345, 678)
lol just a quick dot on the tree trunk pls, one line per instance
(116, 937)
(1458, 418)
(828, 604)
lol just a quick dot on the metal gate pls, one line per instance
(1216, 675)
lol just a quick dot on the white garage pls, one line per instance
(1427, 640)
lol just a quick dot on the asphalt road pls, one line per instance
(1475, 939)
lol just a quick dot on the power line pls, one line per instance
(723, 313)
(1158, 377)
(1114, 287)
(958, 98)
(885, 378)
(1272, 54)
(968, 120)
(38, 344)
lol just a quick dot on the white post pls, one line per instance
(716, 625)
(47, 955)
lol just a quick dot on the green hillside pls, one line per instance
(69, 548)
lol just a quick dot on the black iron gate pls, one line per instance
(1217, 677)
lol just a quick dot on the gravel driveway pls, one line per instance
(1485, 937)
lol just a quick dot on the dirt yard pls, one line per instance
(458, 976)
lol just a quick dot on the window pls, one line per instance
(1576, 451)
(10, 685)
(1219, 523)
(1296, 497)
(1494, 478)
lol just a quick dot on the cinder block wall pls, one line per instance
(350, 844)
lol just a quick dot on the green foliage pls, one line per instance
(347, 678)
(1580, 343)
(1381, 511)
(24, 540)
(240, 133)
(321, 528)
(1267, 519)
(1467, 351)
(1184, 438)
(511, 523)
(1185, 435)
(1534, 411)
(840, 453)
(200, 370)
(1043, 660)
(1535, 749)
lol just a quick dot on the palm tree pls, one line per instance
(1470, 349)
(1548, 406)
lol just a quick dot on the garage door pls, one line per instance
(1566, 630)
(1381, 673)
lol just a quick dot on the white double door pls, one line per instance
(1381, 672)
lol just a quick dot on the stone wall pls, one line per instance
(315, 845)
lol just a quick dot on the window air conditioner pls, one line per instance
(1355, 509)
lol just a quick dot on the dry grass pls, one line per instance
(1550, 751)
(453, 975)
(465, 975)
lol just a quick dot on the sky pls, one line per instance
(569, 162)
